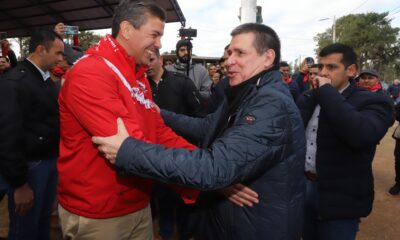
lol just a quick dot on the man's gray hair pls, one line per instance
(136, 13)
(265, 38)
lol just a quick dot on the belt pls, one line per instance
(311, 176)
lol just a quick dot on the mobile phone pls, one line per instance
(309, 61)
(71, 30)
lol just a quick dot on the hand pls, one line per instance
(60, 29)
(23, 199)
(240, 195)
(109, 146)
(304, 67)
(319, 81)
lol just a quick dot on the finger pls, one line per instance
(246, 189)
(232, 199)
(98, 140)
(241, 200)
(121, 127)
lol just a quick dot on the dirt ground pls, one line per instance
(381, 224)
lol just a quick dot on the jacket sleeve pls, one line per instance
(243, 151)
(358, 127)
(205, 83)
(192, 96)
(12, 160)
(93, 98)
(186, 126)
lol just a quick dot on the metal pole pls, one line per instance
(334, 30)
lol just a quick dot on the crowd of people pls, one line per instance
(119, 137)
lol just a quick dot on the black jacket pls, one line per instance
(29, 121)
(263, 146)
(176, 93)
(350, 126)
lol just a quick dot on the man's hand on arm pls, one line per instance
(240, 195)
(109, 146)
(23, 199)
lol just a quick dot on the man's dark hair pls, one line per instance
(136, 13)
(265, 38)
(315, 65)
(43, 37)
(349, 57)
(283, 64)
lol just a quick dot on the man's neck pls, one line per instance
(35, 60)
(157, 78)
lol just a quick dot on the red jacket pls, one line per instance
(91, 99)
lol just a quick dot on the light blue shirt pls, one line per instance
(311, 137)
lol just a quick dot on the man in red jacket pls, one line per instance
(96, 203)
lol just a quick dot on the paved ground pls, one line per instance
(383, 222)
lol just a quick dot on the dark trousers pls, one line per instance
(316, 229)
(397, 161)
(168, 205)
(42, 178)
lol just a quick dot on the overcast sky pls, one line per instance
(296, 22)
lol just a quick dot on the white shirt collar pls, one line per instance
(45, 75)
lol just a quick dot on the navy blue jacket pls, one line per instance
(350, 126)
(263, 147)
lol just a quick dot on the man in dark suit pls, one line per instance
(29, 137)
(344, 124)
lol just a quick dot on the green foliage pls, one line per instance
(87, 39)
(373, 38)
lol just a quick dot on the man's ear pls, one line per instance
(125, 29)
(351, 70)
(40, 50)
(269, 58)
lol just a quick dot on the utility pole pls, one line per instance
(248, 11)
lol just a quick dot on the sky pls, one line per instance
(296, 22)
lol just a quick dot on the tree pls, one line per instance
(87, 39)
(373, 38)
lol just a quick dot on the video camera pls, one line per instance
(187, 32)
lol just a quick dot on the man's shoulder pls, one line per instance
(18, 73)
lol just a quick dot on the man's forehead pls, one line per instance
(331, 58)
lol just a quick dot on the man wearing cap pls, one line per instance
(369, 80)
(196, 72)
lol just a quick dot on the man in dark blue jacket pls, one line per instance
(255, 137)
(344, 124)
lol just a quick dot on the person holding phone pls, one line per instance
(302, 77)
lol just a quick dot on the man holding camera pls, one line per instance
(343, 126)
(196, 72)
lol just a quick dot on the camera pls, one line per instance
(187, 32)
(71, 30)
